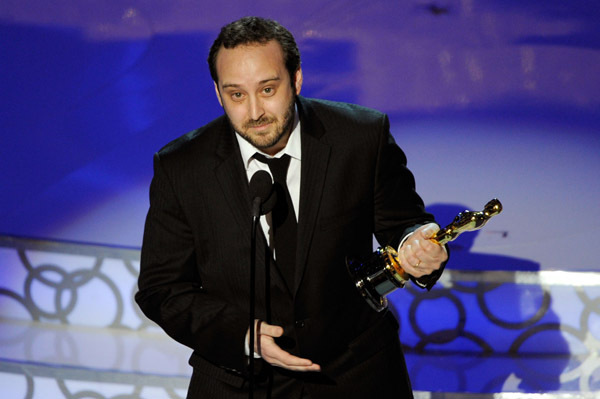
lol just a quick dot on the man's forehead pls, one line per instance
(272, 46)
(259, 61)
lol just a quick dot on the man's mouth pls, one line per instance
(259, 128)
(259, 125)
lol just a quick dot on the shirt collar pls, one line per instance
(293, 147)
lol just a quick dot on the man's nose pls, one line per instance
(256, 108)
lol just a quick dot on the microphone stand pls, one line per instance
(263, 200)
(255, 219)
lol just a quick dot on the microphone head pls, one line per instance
(261, 187)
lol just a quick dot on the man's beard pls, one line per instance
(263, 142)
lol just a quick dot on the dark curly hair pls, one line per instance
(255, 30)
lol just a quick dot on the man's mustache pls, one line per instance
(259, 122)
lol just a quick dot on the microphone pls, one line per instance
(262, 193)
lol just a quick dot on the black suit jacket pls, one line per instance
(194, 278)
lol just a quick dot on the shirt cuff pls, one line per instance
(403, 240)
(247, 347)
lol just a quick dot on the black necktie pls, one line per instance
(283, 218)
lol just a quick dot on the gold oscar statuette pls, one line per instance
(382, 272)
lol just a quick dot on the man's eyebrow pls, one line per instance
(228, 85)
(262, 82)
(276, 78)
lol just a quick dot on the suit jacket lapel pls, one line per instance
(315, 157)
(232, 179)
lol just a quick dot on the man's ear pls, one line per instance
(298, 81)
(218, 94)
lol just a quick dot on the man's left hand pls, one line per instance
(418, 255)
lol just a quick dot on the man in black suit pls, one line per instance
(346, 180)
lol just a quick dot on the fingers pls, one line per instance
(276, 356)
(420, 256)
(268, 349)
(268, 329)
(411, 261)
(428, 231)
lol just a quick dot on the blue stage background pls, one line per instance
(487, 98)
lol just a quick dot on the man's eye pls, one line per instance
(268, 90)
(237, 96)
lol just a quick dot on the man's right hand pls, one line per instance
(265, 347)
